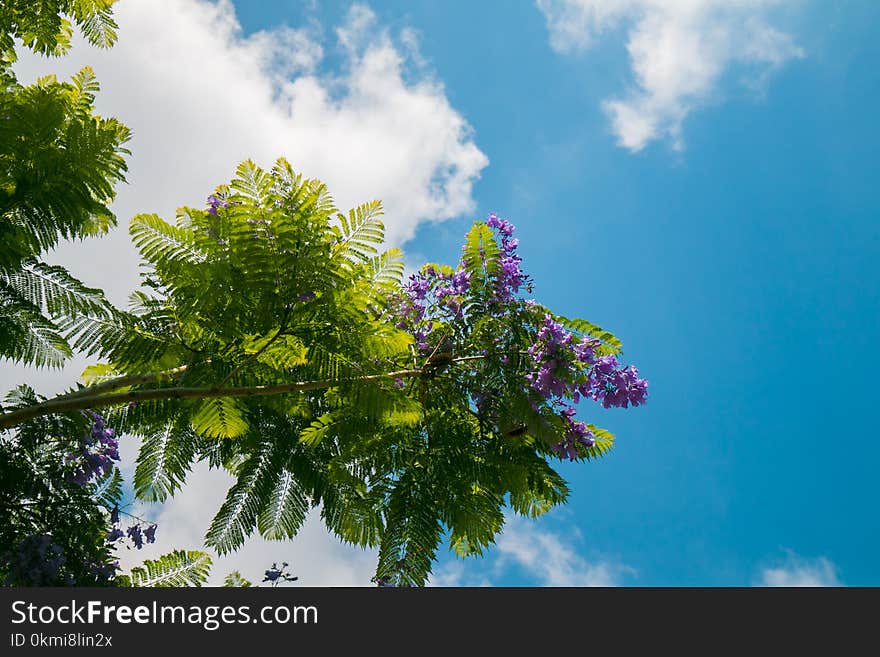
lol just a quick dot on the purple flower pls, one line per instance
(504, 227)
(576, 435)
(216, 202)
(114, 535)
(150, 533)
(461, 281)
(276, 574)
(551, 355)
(136, 536)
(585, 350)
(616, 386)
(98, 449)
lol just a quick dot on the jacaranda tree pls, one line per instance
(270, 337)
(273, 339)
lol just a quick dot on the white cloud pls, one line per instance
(199, 97)
(798, 571)
(526, 547)
(531, 549)
(551, 558)
(459, 573)
(678, 49)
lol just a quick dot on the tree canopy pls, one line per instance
(59, 164)
(274, 337)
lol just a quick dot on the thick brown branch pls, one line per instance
(80, 400)
(121, 382)
(63, 405)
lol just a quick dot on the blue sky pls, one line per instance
(701, 182)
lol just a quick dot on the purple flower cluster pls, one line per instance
(274, 575)
(216, 202)
(511, 277)
(38, 561)
(136, 533)
(98, 450)
(450, 288)
(616, 386)
(576, 434)
(442, 290)
(413, 301)
(103, 572)
(560, 361)
(565, 366)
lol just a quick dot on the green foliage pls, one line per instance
(285, 510)
(177, 568)
(604, 442)
(481, 253)
(58, 166)
(219, 418)
(165, 457)
(611, 344)
(398, 444)
(294, 295)
(33, 301)
(51, 529)
(59, 163)
(235, 580)
(47, 26)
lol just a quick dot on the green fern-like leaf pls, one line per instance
(97, 25)
(411, 536)
(386, 270)
(223, 417)
(178, 568)
(360, 232)
(481, 251)
(584, 327)
(235, 580)
(108, 489)
(253, 182)
(286, 511)
(535, 487)
(160, 242)
(30, 338)
(237, 516)
(99, 373)
(163, 462)
(313, 434)
(476, 519)
(52, 288)
(603, 443)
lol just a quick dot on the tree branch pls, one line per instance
(62, 405)
(120, 382)
(80, 400)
